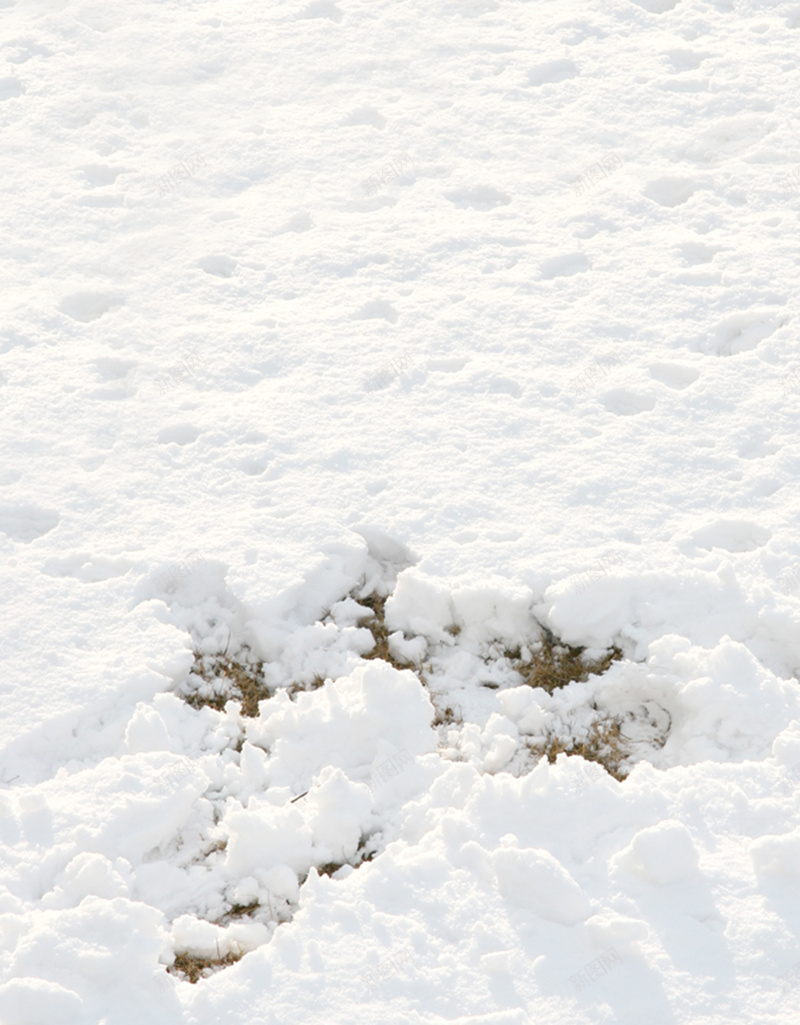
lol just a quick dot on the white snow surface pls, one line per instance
(486, 306)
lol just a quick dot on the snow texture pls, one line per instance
(464, 322)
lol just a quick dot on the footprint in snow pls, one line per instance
(301, 221)
(378, 309)
(365, 116)
(102, 201)
(503, 386)
(101, 19)
(480, 197)
(26, 48)
(89, 569)
(9, 88)
(564, 266)
(219, 266)
(180, 434)
(732, 136)
(627, 403)
(697, 252)
(88, 306)
(758, 448)
(252, 467)
(656, 6)
(448, 364)
(669, 192)
(473, 8)
(322, 9)
(24, 523)
(10, 337)
(99, 174)
(113, 372)
(552, 71)
(743, 331)
(674, 375)
(685, 60)
(532, 879)
(731, 536)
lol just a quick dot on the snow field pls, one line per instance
(508, 283)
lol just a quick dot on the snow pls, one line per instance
(483, 309)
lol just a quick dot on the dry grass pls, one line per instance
(273, 906)
(447, 716)
(330, 867)
(301, 688)
(238, 911)
(603, 745)
(376, 623)
(228, 679)
(362, 855)
(555, 665)
(196, 968)
(212, 848)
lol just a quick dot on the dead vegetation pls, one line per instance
(603, 744)
(225, 679)
(554, 665)
(375, 621)
(376, 624)
(193, 968)
(330, 867)
(238, 911)
(547, 663)
(446, 716)
(365, 852)
(213, 847)
(301, 688)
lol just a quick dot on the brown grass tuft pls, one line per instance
(603, 745)
(446, 716)
(330, 867)
(376, 623)
(362, 855)
(238, 911)
(195, 968)
(301, 688)
(555, 665)
(229, 679)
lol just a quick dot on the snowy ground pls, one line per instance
(482, 306)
